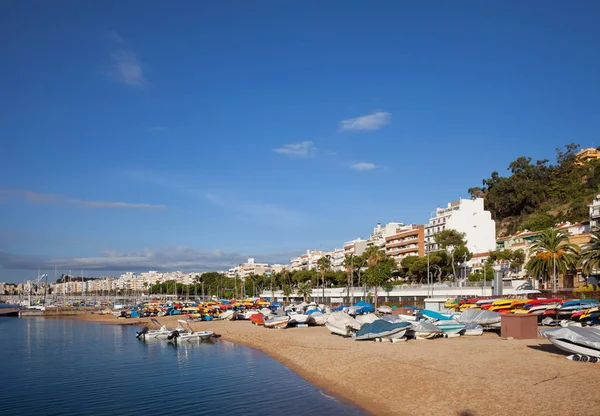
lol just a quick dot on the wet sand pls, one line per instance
(458, 376)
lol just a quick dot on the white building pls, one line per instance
(380, 232)
(355, 247)
(595, 213)
(466, 216)
(251, 268)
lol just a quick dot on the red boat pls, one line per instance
(258, 319)
(536, 302)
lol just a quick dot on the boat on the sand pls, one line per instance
(575, 340)
(382, 329)
(340, 323)
(275, 321)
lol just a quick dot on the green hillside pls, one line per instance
(538, 195)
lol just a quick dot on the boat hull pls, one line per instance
(574, 348)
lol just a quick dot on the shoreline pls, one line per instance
(461, 376)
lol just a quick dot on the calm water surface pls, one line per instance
(66, 367)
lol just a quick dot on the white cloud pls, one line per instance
(126, 67)
(160, 258)
(58, 199)
(302, 149)
(360, 166)
(373, 121)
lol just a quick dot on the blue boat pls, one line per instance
(382, 329)
(436, 315)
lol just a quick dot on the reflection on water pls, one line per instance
(67, 367)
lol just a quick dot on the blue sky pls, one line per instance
(146, 135)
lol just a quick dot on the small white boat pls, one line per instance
(319, 318)
(301, 318)
(425, 330)
(575, 340)
(189, 334)
(450, 327)
(384, 309)
(163, 333)
(266, 311)
(473, 330)
(228, 315)
(194, 336)
(367, 318)
(275, 321)
(340, 323)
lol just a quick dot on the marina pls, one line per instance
(460, 349)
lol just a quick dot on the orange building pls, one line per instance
(586, 155)
(408, 241)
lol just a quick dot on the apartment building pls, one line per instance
(409, 240)
(355, 247)
(466, 216)
(381, 232)
(251, 267)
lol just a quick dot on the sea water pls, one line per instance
(70, 367)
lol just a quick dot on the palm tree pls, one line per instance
(305, 290)
(349, 266)
(590, 255)
(551, 253)
(372, 257)
(380, 268)
(287, 291)
(324, 264)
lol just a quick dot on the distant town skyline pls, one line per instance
(197, 135)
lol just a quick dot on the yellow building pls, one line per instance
(585, 155)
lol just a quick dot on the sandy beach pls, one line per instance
(459, 376)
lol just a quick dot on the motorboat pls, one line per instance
(424, 330)
(487, 319)
(266, 311)
(361, 307)
(301, 318)
(366, 318)
(450, 328)
(189, 334)
(436, 316)
(341, 323)
(382, 329)
(276, 321)
(162, 333)
(395, 318)
(575, 340)
(384, 309)
(473, 330)
(318, 318)
(257, 318)
(228, 315)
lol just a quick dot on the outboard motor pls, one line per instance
(173, 335)
(142, 332)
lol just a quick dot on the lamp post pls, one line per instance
(554, 277)
(428, 275)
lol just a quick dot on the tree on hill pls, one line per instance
(538, 195)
